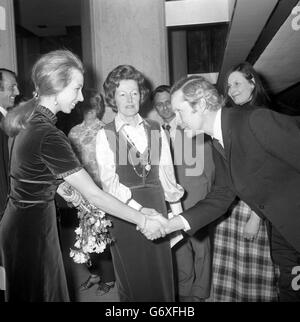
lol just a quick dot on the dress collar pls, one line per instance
(120, 123)
(46, 112)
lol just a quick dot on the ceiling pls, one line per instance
(266, 33)
(47, 17)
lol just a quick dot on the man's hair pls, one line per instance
(196, 87)
(160, 89)
(3, 71)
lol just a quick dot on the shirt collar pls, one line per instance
(3, 111)
(120, 123)
(172, 123)
(217, 130)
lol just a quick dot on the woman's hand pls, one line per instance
(251, 228)
(149, 212)
(154, 226)
(69, 194)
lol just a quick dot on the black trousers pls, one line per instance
(288, 260)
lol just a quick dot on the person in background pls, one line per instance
(256, 155)
(135, 165)
(194, 171)
(243, 270)
(83, 141)
(41, 157)
(8, 92)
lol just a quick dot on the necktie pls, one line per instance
(166, 127)
(217, 145)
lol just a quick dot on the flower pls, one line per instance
(92, 234)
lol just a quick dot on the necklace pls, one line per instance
(144, 158)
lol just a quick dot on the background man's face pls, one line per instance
(9, 91)
(162, 103)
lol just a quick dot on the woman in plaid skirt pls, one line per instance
(243, 270)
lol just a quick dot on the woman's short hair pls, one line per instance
(259, 94)
(51, 73)
(123, 72)
(195, 88)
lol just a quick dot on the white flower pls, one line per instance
(91, 235)
(92, 220)
(78, 231)
(100, 248)
(78, 243)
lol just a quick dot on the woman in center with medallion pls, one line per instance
(135, 165)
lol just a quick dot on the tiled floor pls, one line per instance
(78, 273)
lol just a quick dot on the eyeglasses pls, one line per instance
(163, 104)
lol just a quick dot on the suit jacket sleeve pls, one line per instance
(278, 134)
(217, 200)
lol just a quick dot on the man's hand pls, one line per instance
(251, 228)
(155, 227)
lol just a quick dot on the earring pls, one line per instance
(35, 95)
(55, 102)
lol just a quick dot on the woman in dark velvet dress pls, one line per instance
(138, 170)
(41, 157)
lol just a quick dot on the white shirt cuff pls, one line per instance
(135, 205)
(185, 223)
(176, 208)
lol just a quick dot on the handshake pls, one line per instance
(156, 226)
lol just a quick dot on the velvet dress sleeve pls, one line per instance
(58, 155)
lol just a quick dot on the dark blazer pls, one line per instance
(262, 168)
(3, 167)
(196, 179)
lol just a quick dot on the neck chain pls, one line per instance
(144, 158)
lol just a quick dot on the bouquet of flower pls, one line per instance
(92, 234)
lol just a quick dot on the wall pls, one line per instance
(7, 36)
(125, 32)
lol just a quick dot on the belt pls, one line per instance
(30, 201)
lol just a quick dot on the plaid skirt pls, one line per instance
(243, 270)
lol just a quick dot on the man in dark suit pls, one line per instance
(257, 158)
(8, 91)
(194, 170)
